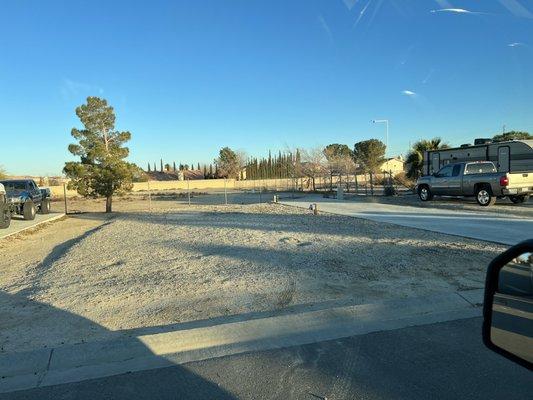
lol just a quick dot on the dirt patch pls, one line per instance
(91, 277)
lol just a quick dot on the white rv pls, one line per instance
(509, 156)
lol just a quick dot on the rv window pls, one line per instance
(480, 168)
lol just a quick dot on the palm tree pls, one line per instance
(415, 158)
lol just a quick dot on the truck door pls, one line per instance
(504, 158)
(441, 180)
(455, 181)
(35, 193)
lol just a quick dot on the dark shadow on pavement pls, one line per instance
(175, 382)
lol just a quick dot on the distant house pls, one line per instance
(394, 165)
(192, 174)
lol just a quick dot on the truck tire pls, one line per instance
(5, 219)
(484, 196)
(28, 210)
(45, 206)
(425, 193)
(519, 199)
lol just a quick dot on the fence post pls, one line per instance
(149, 197)
(65, 197)
(225, 193)
(188, 191)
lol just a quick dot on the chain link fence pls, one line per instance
(160, 195)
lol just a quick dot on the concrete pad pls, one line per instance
(19, 225)
(491, 227)
(75, 363)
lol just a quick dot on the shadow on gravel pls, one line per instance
(56, 253)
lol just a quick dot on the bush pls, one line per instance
(403, 180)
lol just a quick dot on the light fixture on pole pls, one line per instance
(386, 122)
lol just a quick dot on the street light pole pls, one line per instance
(386, 122)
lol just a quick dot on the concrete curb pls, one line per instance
(74, 363)
(35, 225)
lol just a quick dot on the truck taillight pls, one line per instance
(504, 181)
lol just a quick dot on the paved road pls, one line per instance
(499, 228)
(439, 361)
(177, 344)
(18, 224)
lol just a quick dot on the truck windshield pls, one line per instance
(480, 168)
(14, 185)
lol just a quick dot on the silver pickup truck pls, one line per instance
(479, 179)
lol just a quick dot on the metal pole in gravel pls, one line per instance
(188, 191)
(149, 198)
(65, 196)
(225, 192)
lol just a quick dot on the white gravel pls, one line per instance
(142, 270)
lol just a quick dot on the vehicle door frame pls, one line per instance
(455, 182)
(440, 184)
(36, 194)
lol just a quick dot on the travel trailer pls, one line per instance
(508, 156)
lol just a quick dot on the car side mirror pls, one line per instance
(508, 305)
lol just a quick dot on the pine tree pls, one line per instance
(102, 169)
(161, 165)
(174, 165)
(149, 168)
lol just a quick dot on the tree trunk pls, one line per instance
(108, 204)
(371, 184)
(313, 181)
(356, 184)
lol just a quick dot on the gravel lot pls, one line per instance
(92, 277)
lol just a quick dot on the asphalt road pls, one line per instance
(18, 224)
(438, 361)
(493, 227)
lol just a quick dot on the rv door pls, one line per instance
(503, 159)
(435, 162)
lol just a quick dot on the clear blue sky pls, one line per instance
(188, 77)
